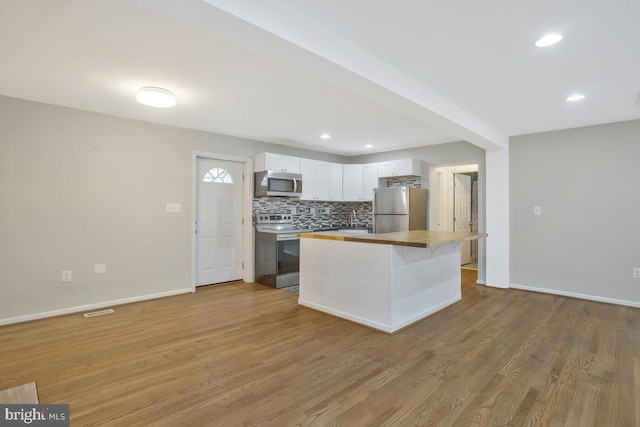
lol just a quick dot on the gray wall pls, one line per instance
(79, 188)
(452, 153)
(587, 239)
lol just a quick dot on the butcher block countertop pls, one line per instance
(413, 238)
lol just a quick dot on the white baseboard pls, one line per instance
(577, 295)
(357, 319)
(480, 282)
(377, 325)
(425, 313)
(80, 308)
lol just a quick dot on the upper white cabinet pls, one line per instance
(276, 163)
(316, 179)
(351, 183)
(359, 182)
(306, 169)
(335, 182)
(321, 180)
(369, 180)
(405, 167)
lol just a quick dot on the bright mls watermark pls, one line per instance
(34, 415)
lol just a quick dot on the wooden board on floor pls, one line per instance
(25, 393)
(246, 354)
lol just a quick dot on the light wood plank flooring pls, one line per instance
(244, 354)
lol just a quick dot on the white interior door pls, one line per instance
(218, 221)
(462, 213)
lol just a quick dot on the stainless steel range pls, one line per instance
(277, 250)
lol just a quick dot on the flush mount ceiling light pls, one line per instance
(325, 136)
(368, 146)
(575, 97)
(548, 40)
(156, 97)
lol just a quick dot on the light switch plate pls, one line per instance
(66, 276)
(100, 268)
(537, 210)
(174, 207)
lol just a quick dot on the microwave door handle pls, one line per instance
(295, 185)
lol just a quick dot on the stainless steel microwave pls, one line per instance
(280, 184)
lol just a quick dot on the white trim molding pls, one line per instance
(247, 199)
(577, 295)
(87, 307)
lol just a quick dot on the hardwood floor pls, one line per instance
(244, 354)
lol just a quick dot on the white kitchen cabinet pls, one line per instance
(351, 183)
(404, 167)
(316, 176)
(369, 180)
(276, 163)
(306, 169)
(359, 182)
(335, 182)
(321, 180)
(386, 169)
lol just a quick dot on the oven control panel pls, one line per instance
(274, 218)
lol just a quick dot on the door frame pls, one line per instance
(441, 203)
(247, 200)
(457, 178)
(441, 195)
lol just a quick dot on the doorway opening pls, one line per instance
(455, 205)
(218, 221)
(222, 237)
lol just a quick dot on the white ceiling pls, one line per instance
(395, 75)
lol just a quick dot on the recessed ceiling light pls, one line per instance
(575, 97)
(368, 146)
(325, 136)
(548, 40)
(156, 97)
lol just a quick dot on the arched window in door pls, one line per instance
(217, 176)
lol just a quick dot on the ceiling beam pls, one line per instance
(313, 49)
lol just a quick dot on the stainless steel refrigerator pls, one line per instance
(399, 209)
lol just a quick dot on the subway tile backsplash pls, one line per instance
(309, 214)
(400, 181)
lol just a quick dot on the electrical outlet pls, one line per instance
(327, 210)
(312, 210)
(66, 276)
(174, 207)
(100, 268)
(293, 210)
(636, 273)
(537, 210)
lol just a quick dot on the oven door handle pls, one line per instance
(287, 236)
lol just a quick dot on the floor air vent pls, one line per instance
(98, 313)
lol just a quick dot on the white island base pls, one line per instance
(383, 286)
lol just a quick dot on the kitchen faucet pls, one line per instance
(352, 217)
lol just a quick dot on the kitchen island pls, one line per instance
(385, 281)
